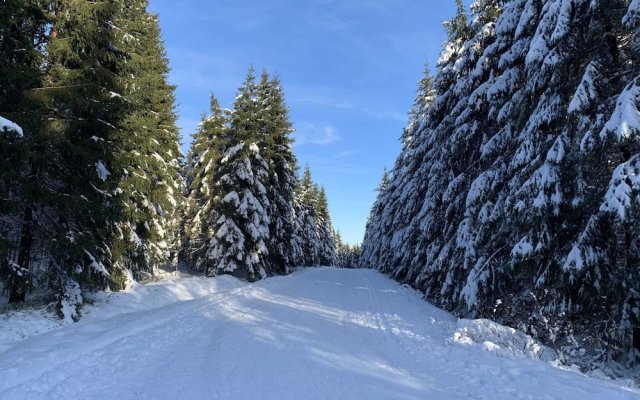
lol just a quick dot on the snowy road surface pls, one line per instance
(317, 334)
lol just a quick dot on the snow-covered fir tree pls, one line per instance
(346, 256)
(276, 148)
(374, 232)
(325, 229)
(515, 195)
(68, 207)
(241, 227)
(203, 161)
(313, 224)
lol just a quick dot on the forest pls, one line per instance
(94, 190)
(515, 196)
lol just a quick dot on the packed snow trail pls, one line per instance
(316, 334)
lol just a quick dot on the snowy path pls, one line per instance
(317, 334)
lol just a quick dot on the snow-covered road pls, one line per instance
(316, 334)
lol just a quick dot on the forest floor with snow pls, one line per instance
(321, 333)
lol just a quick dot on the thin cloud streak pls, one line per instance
(346, 105)
(345, 154)
(308, 133)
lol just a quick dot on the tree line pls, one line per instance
(515, 195)
(247, 210)
(94, 190)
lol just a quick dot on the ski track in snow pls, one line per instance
(316, 334)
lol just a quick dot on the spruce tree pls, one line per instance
(239, 244)
(374, 232)
(22, 32)
(458, 27)
(325, 229)
(306, 221)
(518, 188)
(203, 162)
(147, 147)
(275, 131)
(72, 204)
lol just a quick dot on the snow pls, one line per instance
(624, 181)
(102, 171)
(17, 325)
(96, 265)
(523, 248)
(625, 120)
(316, 334)
(501, 340)
(5, 124)
(633, 14)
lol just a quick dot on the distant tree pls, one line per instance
(458, 27)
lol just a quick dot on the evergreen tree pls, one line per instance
(202, 164)
(306, 225)
(276, 149)
(239, 244)
(147, 146)
(71, 204)
(374, 231)
(325, 230)
(517, 187)
(458, 27)
(22, 33)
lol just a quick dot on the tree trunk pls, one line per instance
(24, 254)
(621, 249)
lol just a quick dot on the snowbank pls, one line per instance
(19, 324)
(5, 124)
(501, 340)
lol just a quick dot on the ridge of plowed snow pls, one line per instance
(316, 334)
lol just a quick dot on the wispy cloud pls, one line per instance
(308, 133)
(348, 105)
(345, 154)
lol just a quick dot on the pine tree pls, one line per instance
(374, 232)
(147, 147)
(325, 229)
(306, 221)
(22, 32)
(72, 199)
(276, 149)
(518, 185)
(202, 164)
(239, 244)
(458, 27)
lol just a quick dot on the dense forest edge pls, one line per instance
(94, 190)
(516, 194)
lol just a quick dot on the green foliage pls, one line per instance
(202, 163)
(458, 27)
(146, 149)
(87, 83)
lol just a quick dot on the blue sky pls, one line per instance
(348, 68)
